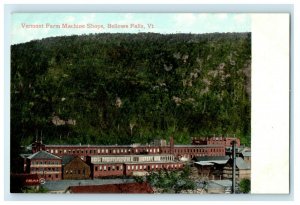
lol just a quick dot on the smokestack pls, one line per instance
(171, 145)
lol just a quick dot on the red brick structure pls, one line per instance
(214, 146)
(75, 168)
(139, 169)
(94, 150)
(38, 146)
(104, 166)
(187, 151)
(133, 188)
(225, 141)
(45, 165)
(118, 160)
(190, 151)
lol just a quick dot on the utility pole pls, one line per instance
(233, 165)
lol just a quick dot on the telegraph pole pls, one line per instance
(233, 165)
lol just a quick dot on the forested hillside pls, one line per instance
(131, 88)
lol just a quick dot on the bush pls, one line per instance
(245, 186)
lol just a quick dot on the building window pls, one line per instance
(96, 168)
(56, 175)
(108, 168)
(141, 167)
(104, 168)
(128, 167)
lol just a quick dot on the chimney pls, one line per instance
(171, 145)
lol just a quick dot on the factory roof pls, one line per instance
(43, 155)
(113, 188)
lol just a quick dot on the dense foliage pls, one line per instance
(126, 88)
(245, 186)
(171, 181)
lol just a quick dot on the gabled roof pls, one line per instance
(66, 159)
(210, 163)
(241, 164)
(43, 155)
(211, 160)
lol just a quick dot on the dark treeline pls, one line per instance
(126, 88)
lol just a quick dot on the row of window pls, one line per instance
(130, 158)
(196, 150)
(189, 150)
(151, 167)
(44, 169)
(44, 162)
(100, 151)
(109, 168)
(75, 172)
(136, 167)
(118, 151)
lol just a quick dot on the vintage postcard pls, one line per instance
(131, 103)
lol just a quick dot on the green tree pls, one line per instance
(245, 185)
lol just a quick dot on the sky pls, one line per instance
(51, 24)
